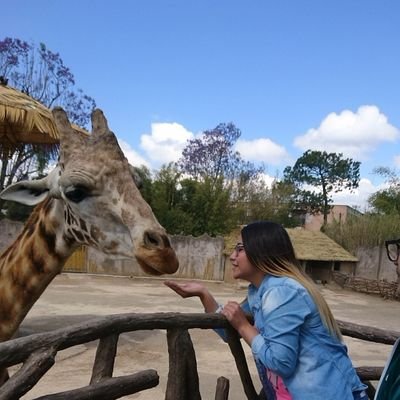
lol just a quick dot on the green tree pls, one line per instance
(284, 208)
(387, 201)
(218, 180)
(184, 205)
(207, 204)
(327, 173)
(250, 199)
(166, 200)
(145, 182)
(271, 202)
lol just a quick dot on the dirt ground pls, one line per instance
(73, 298)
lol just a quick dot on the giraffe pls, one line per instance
(89, 198)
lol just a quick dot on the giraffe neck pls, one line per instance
(31, 263)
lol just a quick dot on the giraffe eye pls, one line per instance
(77, 193)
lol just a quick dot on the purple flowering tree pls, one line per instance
(41, 74)
(222, 182)
(213, 156)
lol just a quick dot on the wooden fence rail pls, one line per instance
(37, 354)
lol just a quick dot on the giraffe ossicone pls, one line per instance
(90, 198)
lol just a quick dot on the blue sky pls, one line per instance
(291, 75)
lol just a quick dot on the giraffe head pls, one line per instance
(98, 199)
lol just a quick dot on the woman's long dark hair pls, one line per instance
(269, 248)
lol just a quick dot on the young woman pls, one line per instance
(296, 343)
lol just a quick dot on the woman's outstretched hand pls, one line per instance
(187, 289)
(194, 289)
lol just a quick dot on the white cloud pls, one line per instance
(133, 157)
(268, 179)
(263, 150)
(397, 161)
(358, 198)
(165, 142)
(353, 134)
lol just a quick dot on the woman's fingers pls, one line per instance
(232, 306)
(234, 314)
(171, 284)
(175, 287)
(188, 289)
(230, 309)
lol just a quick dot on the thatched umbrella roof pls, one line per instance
(24, 120)
(308, 245)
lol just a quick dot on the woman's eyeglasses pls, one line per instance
(393, 249)
(238, 248)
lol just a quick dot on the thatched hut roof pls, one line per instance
(231, 240)
(316, 246)
(308, 246)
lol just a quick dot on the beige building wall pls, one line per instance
(338, 213)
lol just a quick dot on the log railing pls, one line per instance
(37, 354)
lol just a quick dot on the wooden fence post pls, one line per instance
(222, 391)
(241, 364)
(105, 357)
(183, 379)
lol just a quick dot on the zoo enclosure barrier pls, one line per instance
(37, 354)
(387, 290)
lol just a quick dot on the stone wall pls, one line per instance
(374, 264)
(203, 258)
(9, 231)
(199, 258)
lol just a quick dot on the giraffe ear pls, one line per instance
(69, 139)
(29, 193)
(99, 123)
(62, 123)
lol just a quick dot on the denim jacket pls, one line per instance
(294, 343)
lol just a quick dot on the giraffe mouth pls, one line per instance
(157, 262)
(147, 268)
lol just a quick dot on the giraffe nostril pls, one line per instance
(152, 239)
